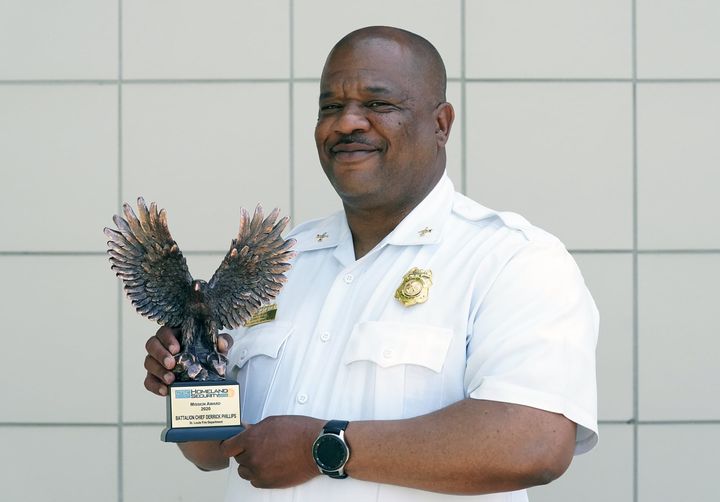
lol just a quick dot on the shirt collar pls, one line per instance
(424, 225)
(322, 234)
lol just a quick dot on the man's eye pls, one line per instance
(330, 107)
(380, 106)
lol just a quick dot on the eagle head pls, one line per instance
(198, 289)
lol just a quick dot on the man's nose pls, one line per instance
(352, 118)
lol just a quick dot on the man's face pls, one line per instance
(376, 130)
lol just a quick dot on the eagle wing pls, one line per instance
(147, 259)
(252, 272)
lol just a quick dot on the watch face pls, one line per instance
(330, 452)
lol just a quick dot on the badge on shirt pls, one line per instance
(264, 314)
(414, 287)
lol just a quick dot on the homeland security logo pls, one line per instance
(203, 393)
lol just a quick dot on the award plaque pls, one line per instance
(202, 411)
(202, 403)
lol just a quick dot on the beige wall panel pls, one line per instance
(559, 154)
(77, 464)
(678, 462)
(218, 39)
(204, 151)
(46, 39)
(678, 38)
(67, 306)
(58, 152)
(678, 159)
(549, 39)
(679, 343)
(321, 23)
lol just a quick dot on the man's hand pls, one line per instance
(276, 452)
(159, 364)
(160, 359)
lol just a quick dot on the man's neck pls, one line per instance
(369, 227)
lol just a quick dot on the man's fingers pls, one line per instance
(168, 337)
(157, 351)
(232, 447)
(244, 472)
(159, 360)
(155, 386)
(159, 371)
(161, 347)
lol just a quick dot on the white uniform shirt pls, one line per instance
(508, 318)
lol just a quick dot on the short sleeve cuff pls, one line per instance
(587, 430)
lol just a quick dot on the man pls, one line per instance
(458, 342)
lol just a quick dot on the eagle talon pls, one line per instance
(183, 361)
(218, 362)
(195, 372)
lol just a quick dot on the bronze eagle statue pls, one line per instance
(157, 281)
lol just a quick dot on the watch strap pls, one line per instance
(336, 474)
(335, 426)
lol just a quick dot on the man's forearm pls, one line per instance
(473, 446)
(204, 454)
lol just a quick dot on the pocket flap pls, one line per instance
(392, 343)
(266, 340)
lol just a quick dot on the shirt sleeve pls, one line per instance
(533, 339)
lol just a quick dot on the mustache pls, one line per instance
(347, 139)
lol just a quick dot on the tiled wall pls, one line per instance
(598, 120)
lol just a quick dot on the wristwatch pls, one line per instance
(330, 450)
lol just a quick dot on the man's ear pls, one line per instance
(444, 117)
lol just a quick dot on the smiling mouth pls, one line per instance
(352, 151)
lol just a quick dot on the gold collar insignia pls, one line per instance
(414, 287)
(263, 314)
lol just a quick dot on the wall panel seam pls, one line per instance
(635, 280)
(120, 438)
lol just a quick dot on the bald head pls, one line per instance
(425, 60)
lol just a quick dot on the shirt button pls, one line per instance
(243, 354)
(387, 353)
(348, 278)
(302, 398)
(324, 336)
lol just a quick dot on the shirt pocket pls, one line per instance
(401, 366)
(256, 355)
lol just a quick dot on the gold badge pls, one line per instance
(264, 314)
(415, 287)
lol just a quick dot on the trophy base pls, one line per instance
(202, 411)
(170, 435)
